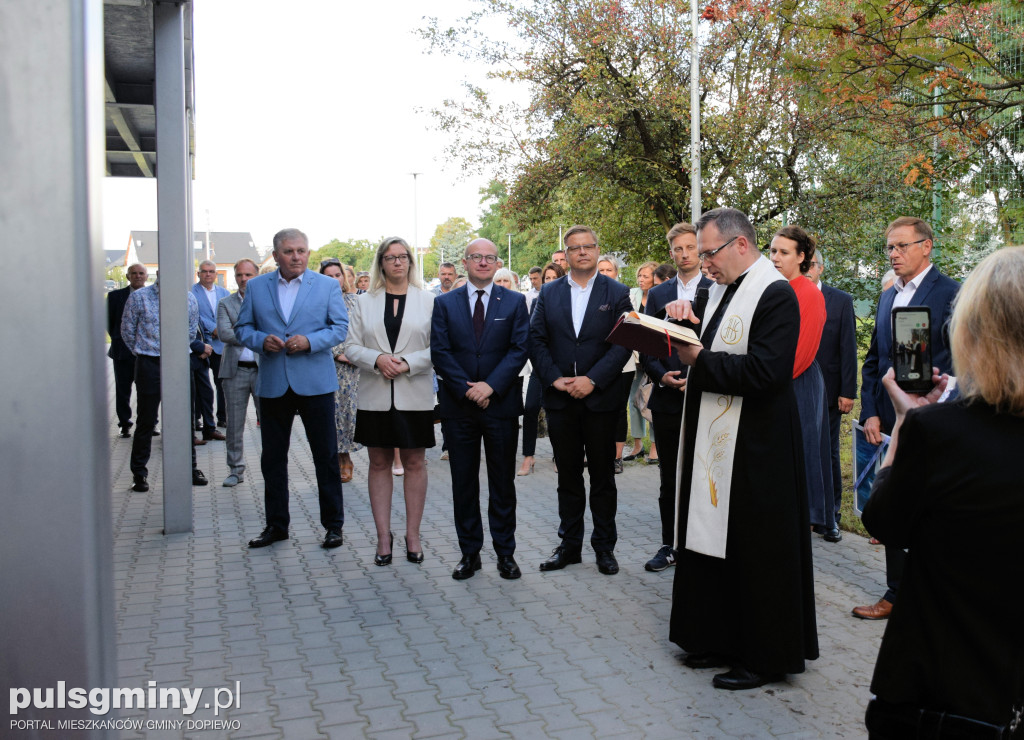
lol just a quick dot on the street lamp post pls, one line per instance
(510, 251)
(694, 117)
(415, 222)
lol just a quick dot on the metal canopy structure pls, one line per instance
(130, 87)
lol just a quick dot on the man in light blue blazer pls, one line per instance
(292, 318)
(208, 295)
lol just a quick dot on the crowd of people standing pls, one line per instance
(745, 422)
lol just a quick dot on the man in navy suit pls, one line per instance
(124, 360)
(837, 358)
(208, 295)
(669, 379)
(293, 317)
(918, 283)
(479, 335)
(581, 373)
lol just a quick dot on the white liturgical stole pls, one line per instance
(719, 421)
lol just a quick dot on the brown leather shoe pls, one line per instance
(881, 610)
(214, 434)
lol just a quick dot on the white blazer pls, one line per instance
(367, 340)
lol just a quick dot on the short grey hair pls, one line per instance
(820, 254)
(506, 274)
(207, 262)
(285, 234)
(612, 260)
(730, 222)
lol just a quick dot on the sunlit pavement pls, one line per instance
(323, 643)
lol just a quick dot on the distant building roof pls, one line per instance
(114, 257)
(227, 247)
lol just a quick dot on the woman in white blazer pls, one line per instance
(389, 341)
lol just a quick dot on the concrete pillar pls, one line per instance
(174, 218)
(57, 619)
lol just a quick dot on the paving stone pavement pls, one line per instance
(325, 644)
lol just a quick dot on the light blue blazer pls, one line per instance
(208, 316)
(318, 314)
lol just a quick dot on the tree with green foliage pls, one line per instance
(356, 252)
(448, 244)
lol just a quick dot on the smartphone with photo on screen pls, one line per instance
(912, 348)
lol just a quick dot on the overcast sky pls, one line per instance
(312, 114)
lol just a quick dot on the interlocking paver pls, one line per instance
(326, 644)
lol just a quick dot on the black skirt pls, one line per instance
(406, 430)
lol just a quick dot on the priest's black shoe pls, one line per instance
(139, 484)
(268, 536)
(508, 568)
(469, 565)
(198, 479)
(333, 539)
(606, 563)
(740, 678)
(562, 556)
(704, 660)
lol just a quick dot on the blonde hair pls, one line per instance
(987, 332)
(652, 266)
(377, 275)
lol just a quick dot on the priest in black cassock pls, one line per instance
(743, 595)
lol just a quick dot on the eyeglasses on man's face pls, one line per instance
(478, 258)
(710, 254)
(399, 258)
(901, 247)
(576, 249)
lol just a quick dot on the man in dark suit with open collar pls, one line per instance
(837, 358)
(479, 337)
(669, 378)
(124, 360)
(581, 373)
(918, 283)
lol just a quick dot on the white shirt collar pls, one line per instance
(915, 283)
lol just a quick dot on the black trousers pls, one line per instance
(317, 414)
(576, 431)
(147, 391)
(499, 437)
(666, 431)
(202, 397)
(834, 418)
(124, 376)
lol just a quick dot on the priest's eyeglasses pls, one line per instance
(477, 257)
(902, 247)
(710, 254)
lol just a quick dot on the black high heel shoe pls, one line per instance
(384, 559)
(412, 557)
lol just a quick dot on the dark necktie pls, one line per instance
(708, 336)
(478, 315)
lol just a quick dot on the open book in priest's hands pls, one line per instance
(649, 335)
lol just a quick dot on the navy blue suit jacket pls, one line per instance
(837, 352)
(937, 291)
(116, 300)
(663, 398)
(208, 315)
(556, 351)
(496, 359)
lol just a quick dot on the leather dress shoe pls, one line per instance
(268, 536)
(740, 678)
(562, 556)
(140, 484)
(833, 535)
(881, 610)
(232, 480)
(333, 539)
(209, 434)
(196, 442)
(606, 563)
(469, 565)
(125, 433)
(198, 479)
(704, 660)
(508, 568)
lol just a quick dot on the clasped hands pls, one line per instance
(479, 393)
(295, 343)
(579, 386)
(391, 367)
